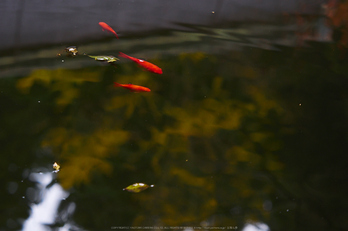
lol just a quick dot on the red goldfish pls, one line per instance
(107, 27)
(132, 87)
(148, 66)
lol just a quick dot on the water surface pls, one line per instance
(246, 129)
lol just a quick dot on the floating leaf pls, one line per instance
(72, 50)
(107, 58)
(56, 167)
(137, 187)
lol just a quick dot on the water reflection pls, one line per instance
(208, 137)
(45, 198)
(256, 227)
(249, 137)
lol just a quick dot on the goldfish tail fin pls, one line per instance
(123, 55)
(117, 84)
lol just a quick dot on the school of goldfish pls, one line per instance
(72, 51)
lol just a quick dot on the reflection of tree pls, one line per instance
(63, 81)
(218, 148)
(84, 154)
(185, 144)
(312, 89)
(337, 14)
(210, 138)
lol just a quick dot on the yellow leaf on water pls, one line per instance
(137, 187)
(56, 167)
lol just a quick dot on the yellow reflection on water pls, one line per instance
(60, 80)
(185, 145)
(83, 154)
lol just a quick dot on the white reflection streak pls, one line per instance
(256, 227)
(45, 212)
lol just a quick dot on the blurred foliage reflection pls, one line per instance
(217, 136)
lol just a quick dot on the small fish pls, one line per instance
(148, 66)
(107, 58)
(137, 187)
(107, 27)
(132, 87)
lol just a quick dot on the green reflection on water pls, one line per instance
(187, 152)
(218, 136)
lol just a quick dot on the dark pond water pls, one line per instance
(246, 129)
